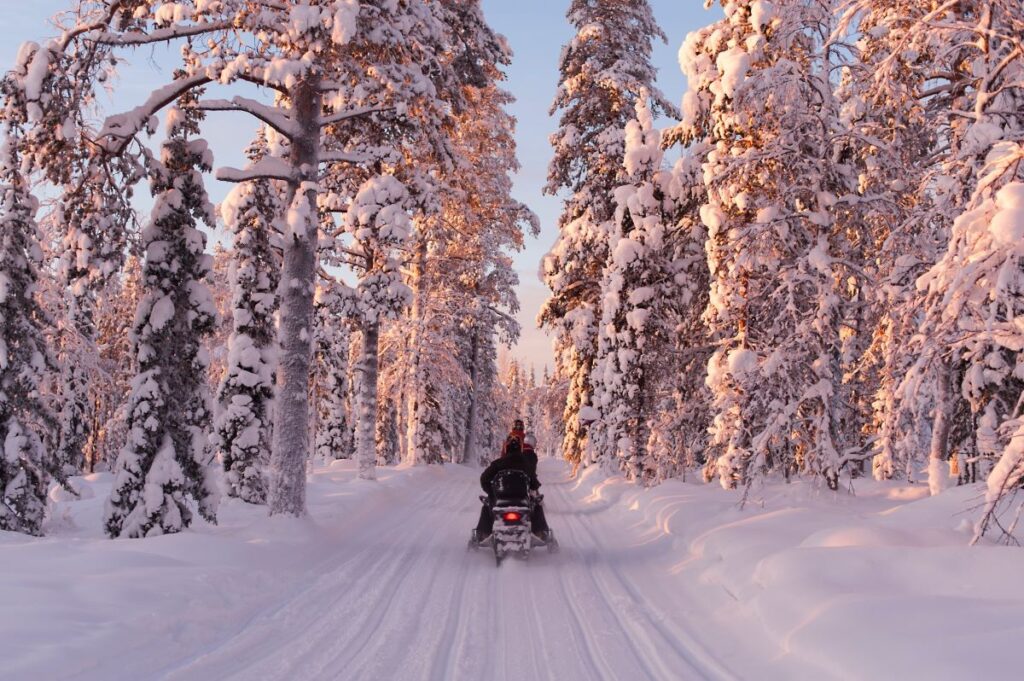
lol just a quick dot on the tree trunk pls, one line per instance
(938, 468)
(470, 451)
(414, 423)
(291, 425)
(366, 428)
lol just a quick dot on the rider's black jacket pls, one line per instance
(512, 461)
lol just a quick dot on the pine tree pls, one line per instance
(379, 223)
(26, 426)
(777, 238)
(92, 217)
(370, 64)
(110, 388)
(387, 434)
(244, 426)
(954, 71)
(640, 291)
(604, 70)
(331, 378)
(891, 105)
(168, 457)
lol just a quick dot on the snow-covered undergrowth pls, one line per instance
(880, 584)
(667, 583)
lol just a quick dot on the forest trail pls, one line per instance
(406, 600)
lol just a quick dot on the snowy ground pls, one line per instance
(672, 583)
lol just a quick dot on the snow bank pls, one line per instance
(80, 606)
(877, 585)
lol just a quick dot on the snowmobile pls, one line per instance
(513, 506)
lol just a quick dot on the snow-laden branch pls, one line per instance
(119, 129)
(104, 21)
(276, 118)
(160, 35)
(349, 114)
(342, 157)
(269, 168)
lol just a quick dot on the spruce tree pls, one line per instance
(244, 427)
(168, 458)
(776, 215)
(640, 292)
(331, 377)
(604, 70)
(26, 425)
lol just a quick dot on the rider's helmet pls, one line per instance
(513, 447)
(530, 441)
(518, 425)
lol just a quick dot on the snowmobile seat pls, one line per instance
(511, 486)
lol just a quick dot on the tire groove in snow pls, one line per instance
(706, 665)
(405, 600)
(267, 626)
(605, 603)
(402, 617)
(371, 602)
(594, 658)
(455, 627)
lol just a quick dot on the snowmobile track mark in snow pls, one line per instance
(706, 667)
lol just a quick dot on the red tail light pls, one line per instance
(511, 517)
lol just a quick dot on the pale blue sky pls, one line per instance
(536, 30)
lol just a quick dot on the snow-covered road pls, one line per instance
(406, 601)
(670, 583)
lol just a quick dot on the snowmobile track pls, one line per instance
(404, 599)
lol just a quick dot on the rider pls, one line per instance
(518, 433)
(530, 449)
(513, 459)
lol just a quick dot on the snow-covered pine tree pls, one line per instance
(464, 218)
(436, 387)
(379, 223)
(761, 99)
(49, 94)
(388, 451)
(892, 139)
(604, 70)
(168, 458)
(975, 291)
(956, 67)
(894, 106)
(679, 430)
(978, 286)
(91, 219)
(222, 294)
(550, 428)
(333, 64)
(331, 377)
(26, 426)
(244, 426)
(637, 289)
